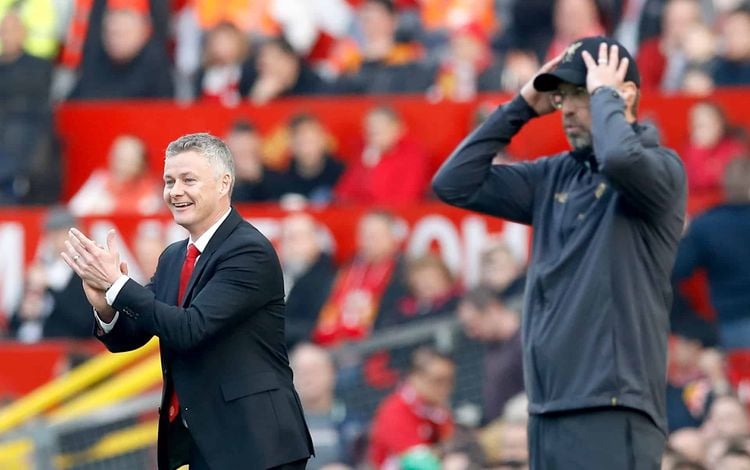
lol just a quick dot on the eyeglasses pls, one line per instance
(577, 95)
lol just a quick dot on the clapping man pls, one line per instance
(216, 302)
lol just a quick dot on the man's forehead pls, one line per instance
(184, 163)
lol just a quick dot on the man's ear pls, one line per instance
(226, 183)
(629, 93)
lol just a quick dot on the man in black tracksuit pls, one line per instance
(607, 217)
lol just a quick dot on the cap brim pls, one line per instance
(550, 81)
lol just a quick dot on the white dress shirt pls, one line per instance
(114, 290)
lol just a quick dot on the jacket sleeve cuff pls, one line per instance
(106, 327)
(115, 289)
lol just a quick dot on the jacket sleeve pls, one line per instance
(468, 179)
(244, 280)
(651, 178)
(125, 335)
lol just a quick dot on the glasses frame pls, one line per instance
(577, 96)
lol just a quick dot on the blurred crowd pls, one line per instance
(261, 50)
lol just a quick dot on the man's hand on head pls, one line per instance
(538, 100)
(99, 267)
(607, 70)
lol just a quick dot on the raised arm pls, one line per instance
(650, 177)
(468, 178)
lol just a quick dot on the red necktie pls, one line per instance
(187, 271)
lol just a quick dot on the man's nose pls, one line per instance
(176, 189)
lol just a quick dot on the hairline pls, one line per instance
(210, 147)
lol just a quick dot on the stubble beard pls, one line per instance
(580, 139)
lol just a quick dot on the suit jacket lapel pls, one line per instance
(229, 224)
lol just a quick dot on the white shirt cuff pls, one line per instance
(106, 327)
(112, 292)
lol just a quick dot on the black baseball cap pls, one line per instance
(572, 68)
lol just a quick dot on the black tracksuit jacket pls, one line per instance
(605, 231)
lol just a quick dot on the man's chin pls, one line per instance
(578, 142)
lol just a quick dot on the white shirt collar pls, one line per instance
(203, 240)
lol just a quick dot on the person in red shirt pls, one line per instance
(125, 186)
(391, 170)
(661, 58)
(371, 282)
(417, 413)
(710, 149)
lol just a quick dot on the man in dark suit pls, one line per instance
(228, 398)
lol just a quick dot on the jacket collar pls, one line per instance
(649, 138)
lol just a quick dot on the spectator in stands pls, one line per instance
(313, 170)
(255, 182)
(727, 419)
(126, 187)
(40, 18)
(500, 269)
(689, 444)
(370, 283)
(24, 109)
(573, 20)
(432, 293)
(312, 26)
(497, 323)
(697, 81)
(309, 272)
(662, 60)
(391, 169)
(468, 66)
(149, 244)
(528, 28)
(717, 242)
(334, 432)
(132, 62)
(379, 64)
(53, 304)
(444, 16)
(417, 413)
(280, 72)
(505, 440)
(226, 74)
(695, 373)
(733, 66)
(711, 147)
(462, 451)
(519, 66)
(699, 48)
(735, 458)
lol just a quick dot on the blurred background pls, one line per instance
(402, 312)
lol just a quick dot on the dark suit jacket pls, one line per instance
(223, 349)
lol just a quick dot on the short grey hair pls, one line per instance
(209, 146)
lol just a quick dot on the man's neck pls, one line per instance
(197, 233)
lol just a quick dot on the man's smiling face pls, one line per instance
(194, 192)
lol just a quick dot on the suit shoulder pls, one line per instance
(247, 233)
(173, 248)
